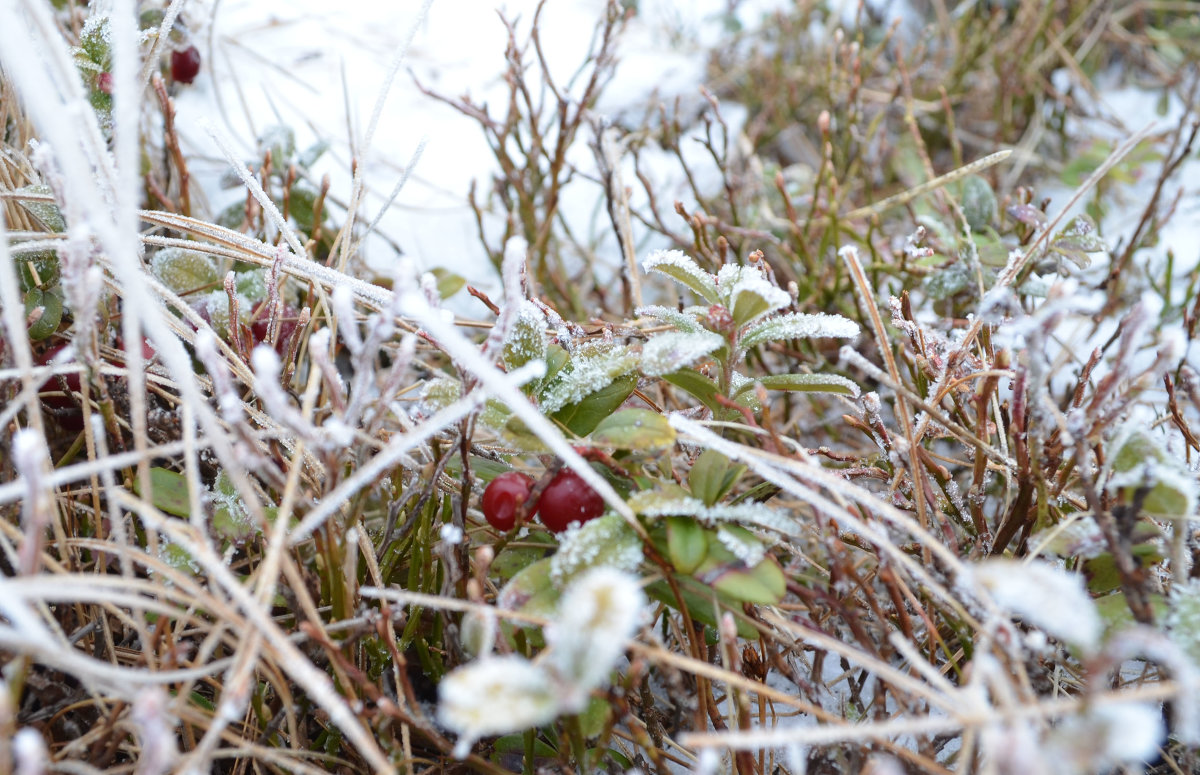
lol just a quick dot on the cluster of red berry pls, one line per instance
(566, 499)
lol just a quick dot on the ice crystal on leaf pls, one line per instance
(683, 269)
(1104, 737)
(745, 547)
(592, 367)
(598, 614)
(604, 542)
(1183, 623)
(676, 350)
(1044, 596)
(526, 340)
(1142, 461)
(795, 325)
(682, 321)
(748, 294)
(665, 504)
(493, 696)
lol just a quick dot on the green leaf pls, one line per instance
(184, 271)
(684, 270)
(807, 383)
(38, 270)
(526, 339)
(582, 418)
(699, 386)
(637, 429)
(607, 542)
(764, 584)
(687, 543)
(45, 213)
(51, 307)
(712, 476)
(699, 602)
(531, 591)
(448, 283)
(978, 203)
(170, 491)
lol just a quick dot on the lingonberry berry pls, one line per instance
(185, 64)
(568, 499)
(503, 496)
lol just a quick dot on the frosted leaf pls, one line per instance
(598, 614)
(252, 284)
(683, 321)
(591, 368)
(46, 213)
(1044, 596)
(1183, 621)
(745, 547)
(748, 294)
(440, 393)
(978, 202)
(683, 269)
(526, 340)
(795, 325)
(494, 696)
(605, 542)
(230, 517)
(1081, 538)
(676, 350)
(1141, 460)
(184, 271)
(666, 504)
(1106, 736)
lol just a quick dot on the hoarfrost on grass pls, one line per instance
(1044, 596)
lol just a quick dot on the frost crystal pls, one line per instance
(493, 696)
(749, 551)
(676, 350)
(526, 340)
(748, 294)
(680, 267)
(682, 321)
(605, 542)
(1183, 622)
(1044, 596)
(591, 368)
(1107, 736)
(795, 325)
(656, 504)
(599, 613)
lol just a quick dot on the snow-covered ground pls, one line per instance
(320, 67)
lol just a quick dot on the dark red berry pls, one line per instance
(185, 64)
(503, 496)
(568, 499)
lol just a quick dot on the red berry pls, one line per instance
(568, 499)
(185, 64)
(503, 496)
